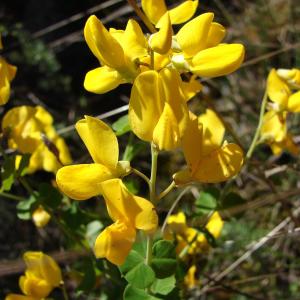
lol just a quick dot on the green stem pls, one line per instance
(64, 291)
(27, 187)
(260, 123)
(10, 196)
(166, 191)
(142, 175)
(152, 185)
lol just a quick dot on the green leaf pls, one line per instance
(22, 169)
(141, 276)
(132, 293)
(164, 267)
(49, 195)
(163, 286)
(133, 148)
(8, 173)
(92, 231)
(24, 208)
(164, 249)
(73, 217)
(121, 126)
(132, 260)
(207, 201)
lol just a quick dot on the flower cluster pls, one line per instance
(283, 89)
(30, 130)
(41, 276)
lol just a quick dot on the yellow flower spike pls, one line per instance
(81, 182)
(40, 217)
(157, 104)
(43, 266)
(115, 242)
(278, 91)
(7, 74)
(207, 161)
(218, 61)
(161, 41)
(32, 128)
(215, 35)
(127, 208)
(192, 36)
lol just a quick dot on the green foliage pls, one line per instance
(121, 126)
(25, 208)
(163, 286)
(49, 195)
(207, 200)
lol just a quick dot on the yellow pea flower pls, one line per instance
(189, 236)
(190, 279)
(117, 52)
(26, 126)
(7, 74)
(208, 159)
(81, 182)
(42, 275)
(274, 132)
(280, 86)
(155, 9)
(129, 213)
(157, 108)
(40, 217)
(199, 48)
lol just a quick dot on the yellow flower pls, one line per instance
(81, 181)
(280, 86)
(157, 108)
(42, 275)
(199, 48)
(274, 132)
(190, 279)
(26, 126)
(189, 236)
(7, 74)
(117, 52)
(155, 9)
(129, 213)
(209, 160)
(40, 217)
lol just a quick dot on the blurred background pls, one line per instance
(44, 39)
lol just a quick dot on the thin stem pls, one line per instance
(166, 191)
(27, 187)
(163, 227)
(140, 174)
(64, 291)
(10, 196)
(260, 123)
(152, 187)
(142, 16)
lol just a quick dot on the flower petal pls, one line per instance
(102, 80)
(274, 127)
(215, 35)
(125, 207)
(154, 9)
(103, 45)
(191, 88)
(220, 165)
(193, 35)
(146, 104)
(115, 242)
(183, 12)
(100, 140)
(40, 217)
(278, 90)
(80, 182)
(218, 61)
(294, 103)
(19, 297)
(161, 41)
(213, 131)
